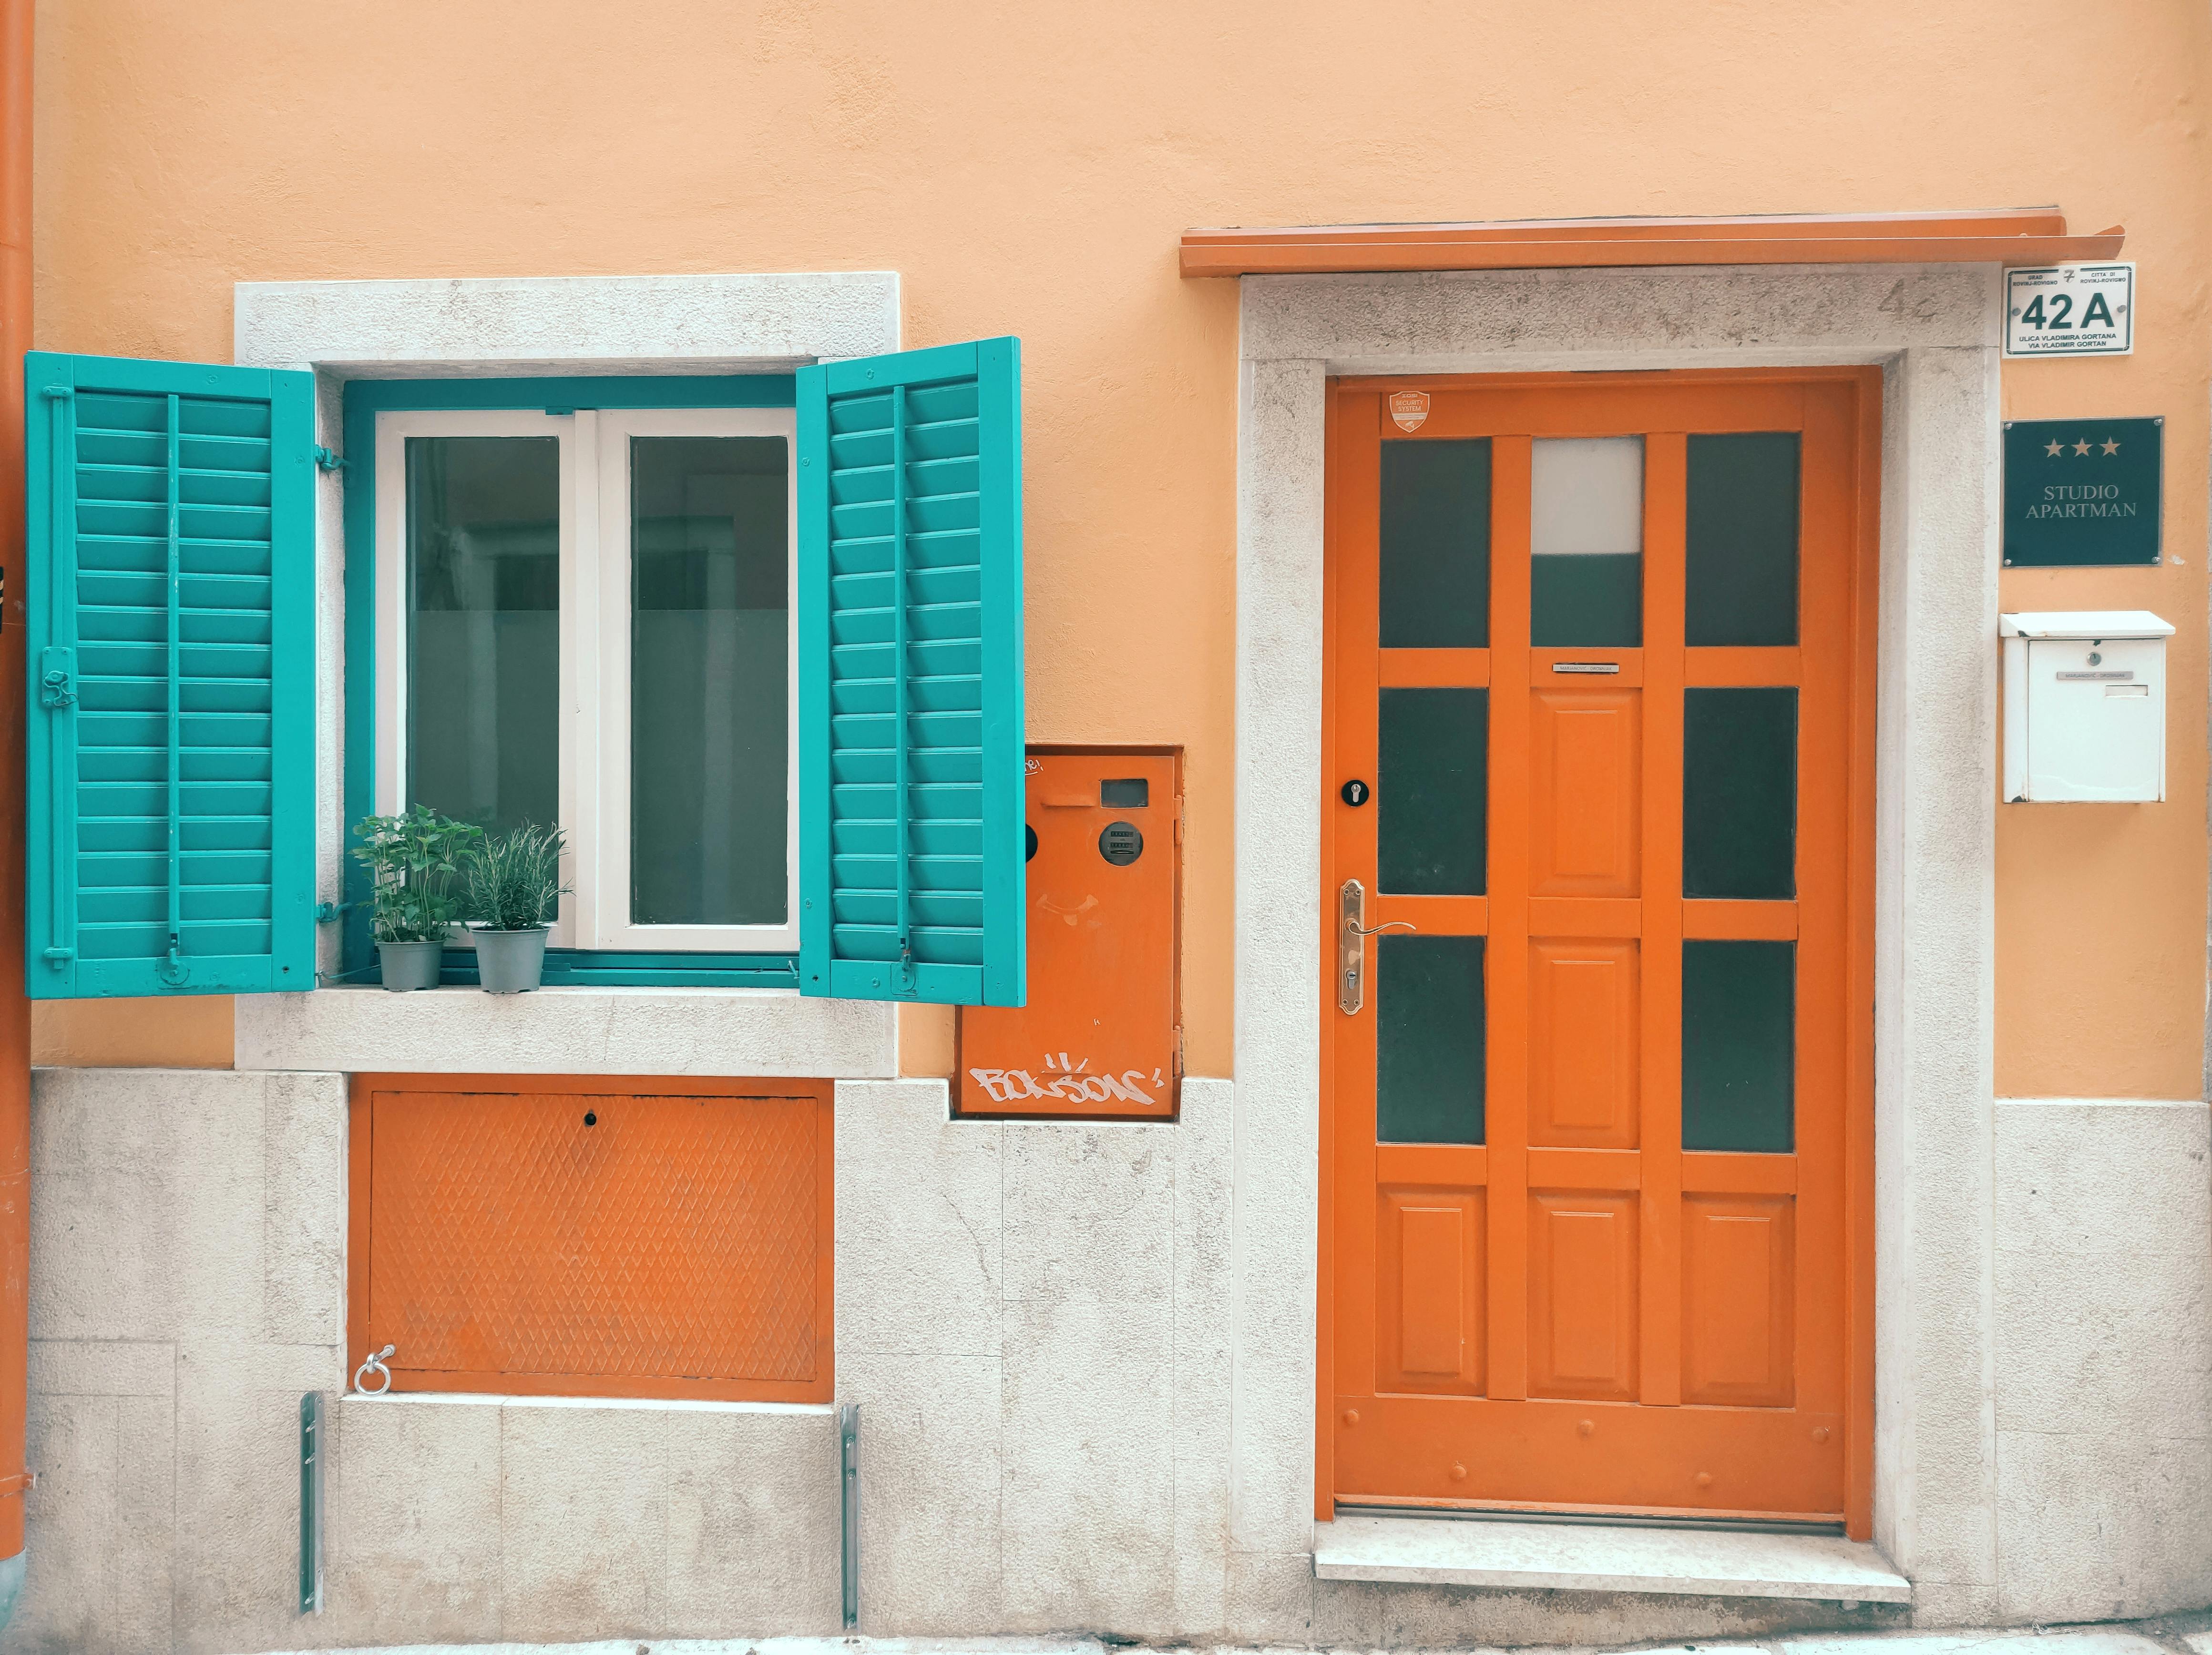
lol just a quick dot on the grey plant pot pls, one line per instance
(409, 966)
(510, 961)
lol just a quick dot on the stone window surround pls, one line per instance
(514, 326)
(1934, 332)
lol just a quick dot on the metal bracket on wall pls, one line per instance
(327, 460)
(848, 1461)
(311, 1503)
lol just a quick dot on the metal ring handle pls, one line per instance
(375, 1365)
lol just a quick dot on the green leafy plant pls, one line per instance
(513, 879)
(413, 860)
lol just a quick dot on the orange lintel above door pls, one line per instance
(2019, 236)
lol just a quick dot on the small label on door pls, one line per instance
(1409, 409)
(2096, 677)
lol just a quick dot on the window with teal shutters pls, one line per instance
(911, 879)
(172, 641)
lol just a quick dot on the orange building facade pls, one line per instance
(1229, 891)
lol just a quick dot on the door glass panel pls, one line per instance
(1739, 1045)
(1586, 537)
(1436, 545)
(1428, 1040)
(1743, 539)
(1431, 791)
(1739, 793)
(708, 662)
(484, 628)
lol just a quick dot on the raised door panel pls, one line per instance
(1739, 1323)
(1582, 1295)
(1584, 792)
(1429, 1291)
(1583, 1044)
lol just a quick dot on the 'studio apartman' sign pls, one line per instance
(2081, 491)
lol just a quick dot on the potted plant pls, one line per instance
(413, 859)
(513, 883)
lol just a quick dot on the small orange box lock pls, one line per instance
(1098, 1036)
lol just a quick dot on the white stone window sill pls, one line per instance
(1602, 1557)
(761, 1032)
(651, 1404)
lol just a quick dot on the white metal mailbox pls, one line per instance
(2084, 706)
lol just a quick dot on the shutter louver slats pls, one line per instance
(173, 549)
(910, 666)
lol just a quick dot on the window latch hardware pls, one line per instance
(329, 913)
(328, 459)
(56, 676)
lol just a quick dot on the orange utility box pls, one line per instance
(1101, 1035)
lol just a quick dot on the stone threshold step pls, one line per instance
(1442, 1551)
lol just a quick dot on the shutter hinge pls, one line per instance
(329, 913)
(59, 393)
(327, 460)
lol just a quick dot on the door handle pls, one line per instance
(1352, 932)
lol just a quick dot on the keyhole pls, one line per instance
(590, 1117)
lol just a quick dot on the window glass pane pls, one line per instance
(1739, 1045)
(1739, 793)
(484, 644)
(1586, 535)
(1436, 545)
(1432, 791)
(708, 698)
(1428, 1038)
(1742, 550)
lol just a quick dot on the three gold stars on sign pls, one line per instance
(2055, 449)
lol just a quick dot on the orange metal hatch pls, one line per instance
(593, 1237)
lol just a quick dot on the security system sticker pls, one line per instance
(1409, 409)
(2070, 310)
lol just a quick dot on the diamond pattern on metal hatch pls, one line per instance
(675, 1237)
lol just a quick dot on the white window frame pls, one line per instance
(610, 921)
(594, 720)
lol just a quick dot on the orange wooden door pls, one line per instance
(1597, 1127)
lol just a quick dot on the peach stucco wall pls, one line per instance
(1026, 168)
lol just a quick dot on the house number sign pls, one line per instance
(2070, 310)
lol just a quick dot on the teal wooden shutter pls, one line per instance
(911, 877)
(172, 646)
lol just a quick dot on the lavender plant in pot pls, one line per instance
(413, 860)
(514, 889)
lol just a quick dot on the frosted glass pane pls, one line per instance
(1429, 1040)
(1432, 788)
(709, 697)
(1586, 496)
(484, 628)
(1586, 577)
(1436, 545)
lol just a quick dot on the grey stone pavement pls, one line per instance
(2176, 1634)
